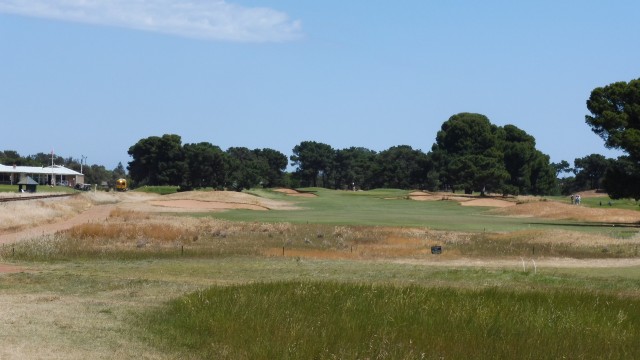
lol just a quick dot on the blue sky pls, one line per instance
(93, 77)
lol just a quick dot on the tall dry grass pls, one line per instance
(17, 215)
(135, 234)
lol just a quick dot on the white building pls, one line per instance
(49, 175)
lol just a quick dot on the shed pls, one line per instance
(29, 184)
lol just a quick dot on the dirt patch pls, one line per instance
(425, 196)
(592, 194)
(292, 192)
(198, 201)
(10, 269)
(205, 205)
(488, 202)
(463, 200)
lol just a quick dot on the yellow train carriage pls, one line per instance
(121, 185)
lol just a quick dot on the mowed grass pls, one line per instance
(378, 208)
(390, 207)
(39, 189)
(162, 190)
(328, 320)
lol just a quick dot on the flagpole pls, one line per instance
(52, 176)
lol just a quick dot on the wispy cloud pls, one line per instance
(208, 19)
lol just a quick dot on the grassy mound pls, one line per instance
(325, 320)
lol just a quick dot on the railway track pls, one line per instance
(33, 197)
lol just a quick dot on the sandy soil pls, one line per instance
(10, 269)
(488, 202)
(292, 192)
(463, 200)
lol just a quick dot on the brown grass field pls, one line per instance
(80, 309)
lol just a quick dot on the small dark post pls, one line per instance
(533, 250)
(182, 250)
(283, 251)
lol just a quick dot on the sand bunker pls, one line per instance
(196, 201)
(292, 192)
(425, 196)
(463, 200)
(488, 202)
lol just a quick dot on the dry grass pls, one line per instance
(136, 234)
(556, 210)
(17, 215)
(69, 327)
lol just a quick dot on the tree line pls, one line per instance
(469, 154)
(164, 160)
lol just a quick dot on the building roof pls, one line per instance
(27, 181)
(45, 170)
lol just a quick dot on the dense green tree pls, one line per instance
(353, 168)
(543, 178)
(529, 169)
(205, 165)
(467, 152)
(615, 117)
(590, 171)
(119, 172)
(472, 154)
(276, 165)
(401, 167)
(622, 179)
(11, 157)
(97, 175)
(313, 160)
(43, 159)
(244, 168)
(562, 167)
(157, 161)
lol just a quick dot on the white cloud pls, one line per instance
(208, 19)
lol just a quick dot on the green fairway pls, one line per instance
(388, 207)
